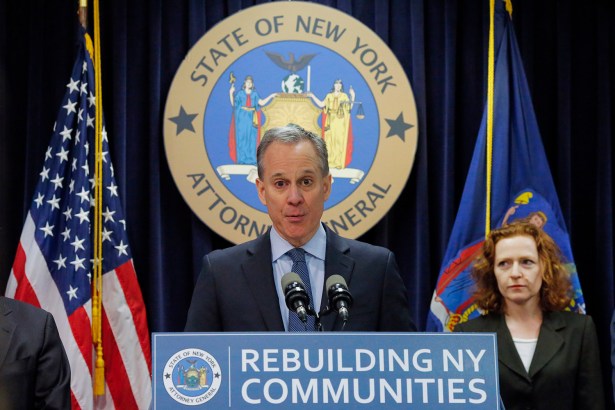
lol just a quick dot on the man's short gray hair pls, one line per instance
(292, 134)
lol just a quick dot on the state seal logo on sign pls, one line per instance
(192, 377)
(280, 63)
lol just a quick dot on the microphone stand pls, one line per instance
(326, 312)
(317, 323)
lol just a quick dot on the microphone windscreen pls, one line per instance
(334, 280)
(289, 278)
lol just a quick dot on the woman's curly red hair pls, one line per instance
(556, 289)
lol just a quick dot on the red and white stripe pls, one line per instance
(126, 348)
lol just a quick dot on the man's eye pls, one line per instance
(279, 184)
(306, 182)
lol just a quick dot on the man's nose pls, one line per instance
(295, 196)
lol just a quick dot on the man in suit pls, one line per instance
(239, 288)
(34, 369)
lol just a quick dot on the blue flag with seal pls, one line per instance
(521, 185)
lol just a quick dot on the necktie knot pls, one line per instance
(297, 254)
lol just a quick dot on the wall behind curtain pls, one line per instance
(567, 48)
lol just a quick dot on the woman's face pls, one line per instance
(337, 86)
(518, 270)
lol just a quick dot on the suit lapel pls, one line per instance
(549, 342)
(7, 327)
(507, 351)
(337, 262)
(258, 272)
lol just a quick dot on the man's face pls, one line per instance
(294, 190)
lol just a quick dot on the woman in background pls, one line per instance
(548, 358)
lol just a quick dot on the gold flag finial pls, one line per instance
(509, 7)
(83, 13)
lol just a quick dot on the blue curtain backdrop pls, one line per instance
(567, 48)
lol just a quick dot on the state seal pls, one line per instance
(192, 377)
(280, 63)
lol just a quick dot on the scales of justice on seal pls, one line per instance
(330, 118)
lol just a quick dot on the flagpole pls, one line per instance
(99, 372)
(490, 88)
(97, 289)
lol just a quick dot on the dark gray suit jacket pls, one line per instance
(565, 370)
(236, 291)
(34, 369)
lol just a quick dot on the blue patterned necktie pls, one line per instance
(300, 268)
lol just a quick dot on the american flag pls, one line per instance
(54, 262)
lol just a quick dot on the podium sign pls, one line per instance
(325, 371)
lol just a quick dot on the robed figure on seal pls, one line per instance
(337, 124)
(245, 129)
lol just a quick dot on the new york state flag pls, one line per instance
(521, 186)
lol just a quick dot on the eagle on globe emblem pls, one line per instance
(293, 83)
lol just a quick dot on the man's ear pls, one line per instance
(327, 186)
(260, 189)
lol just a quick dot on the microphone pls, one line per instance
(339, 296)
(295, 295)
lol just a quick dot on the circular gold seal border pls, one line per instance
(260, 25)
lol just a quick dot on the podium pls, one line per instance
(325, 371)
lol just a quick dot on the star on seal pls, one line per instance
(183, 120)
(398, 127)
